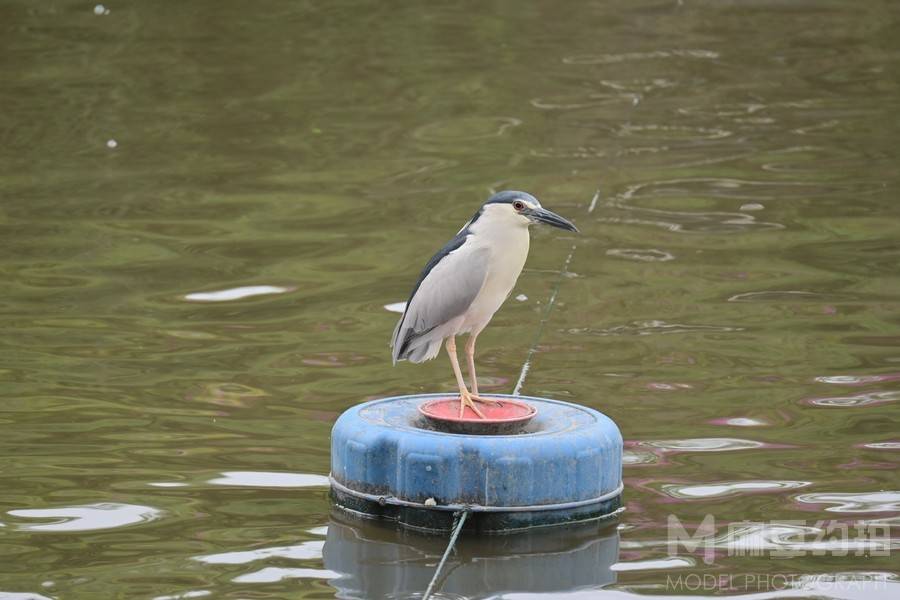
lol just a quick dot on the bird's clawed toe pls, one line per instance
(482, 399)
(467, 399)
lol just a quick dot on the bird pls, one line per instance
(466, 282)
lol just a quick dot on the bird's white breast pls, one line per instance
(506, 238)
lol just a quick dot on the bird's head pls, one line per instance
(522, 208)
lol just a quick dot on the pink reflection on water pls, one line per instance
(859, 400)
(707, 445)
(738, 422)
(646, 484)
(857, 379)
(668, 386)
(857, 464)
(678, 491)
(635, 455)
(324, 359)
(888, 445)
(857, 502)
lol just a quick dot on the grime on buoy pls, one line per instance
(531, 462)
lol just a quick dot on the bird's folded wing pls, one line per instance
(446, 292)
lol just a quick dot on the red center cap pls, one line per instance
(502, 417)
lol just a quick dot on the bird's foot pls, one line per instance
(467, 399)
(484, 400)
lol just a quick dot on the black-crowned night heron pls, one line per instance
(464, 284)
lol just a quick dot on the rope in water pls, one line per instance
(457, 527)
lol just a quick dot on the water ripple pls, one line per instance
(670, 132)
(885, 501)
(270, 479)
(674, 562)
(228, 394)
(780, 296)
(606, 59)
(857, 379)
(736, 192)
(396, 307)
(648, 255)
(861, 257)
(465, 129)
(574, 152)
(238, 293)
(306, 551)
(655, 327)
(576, 101)
(729, 488)
(883, 445)
(88, 517)
(632, 458)
(868, 399)
(275, 574)
(738, 422)
(703, 445)
(183, 595)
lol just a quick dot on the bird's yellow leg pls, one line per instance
(473, 378)
(470, 357)
(465, 398)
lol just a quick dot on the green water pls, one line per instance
(733, 301)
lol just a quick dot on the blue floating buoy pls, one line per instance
(388, 461)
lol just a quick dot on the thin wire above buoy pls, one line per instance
(526, 366)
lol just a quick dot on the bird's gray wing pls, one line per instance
(445, 291)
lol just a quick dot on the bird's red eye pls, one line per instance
(519, 205)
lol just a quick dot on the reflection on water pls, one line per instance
(703, 445)
(465, 130)
(185, 595)
(650, 254)
(729, 488)
(868, 399)
(630, 56)
(260, 479)
(105, 515)
(380, 562)
(739, 422)
(693, 191)
(212, 211)
(851, 503)
(238, 293)
(396, 307)
(305, 550)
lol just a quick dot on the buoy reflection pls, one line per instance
(376, 560)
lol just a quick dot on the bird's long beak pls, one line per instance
(542, 215)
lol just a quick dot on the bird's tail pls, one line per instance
(408, 345)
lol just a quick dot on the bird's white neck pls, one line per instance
(505, 234)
